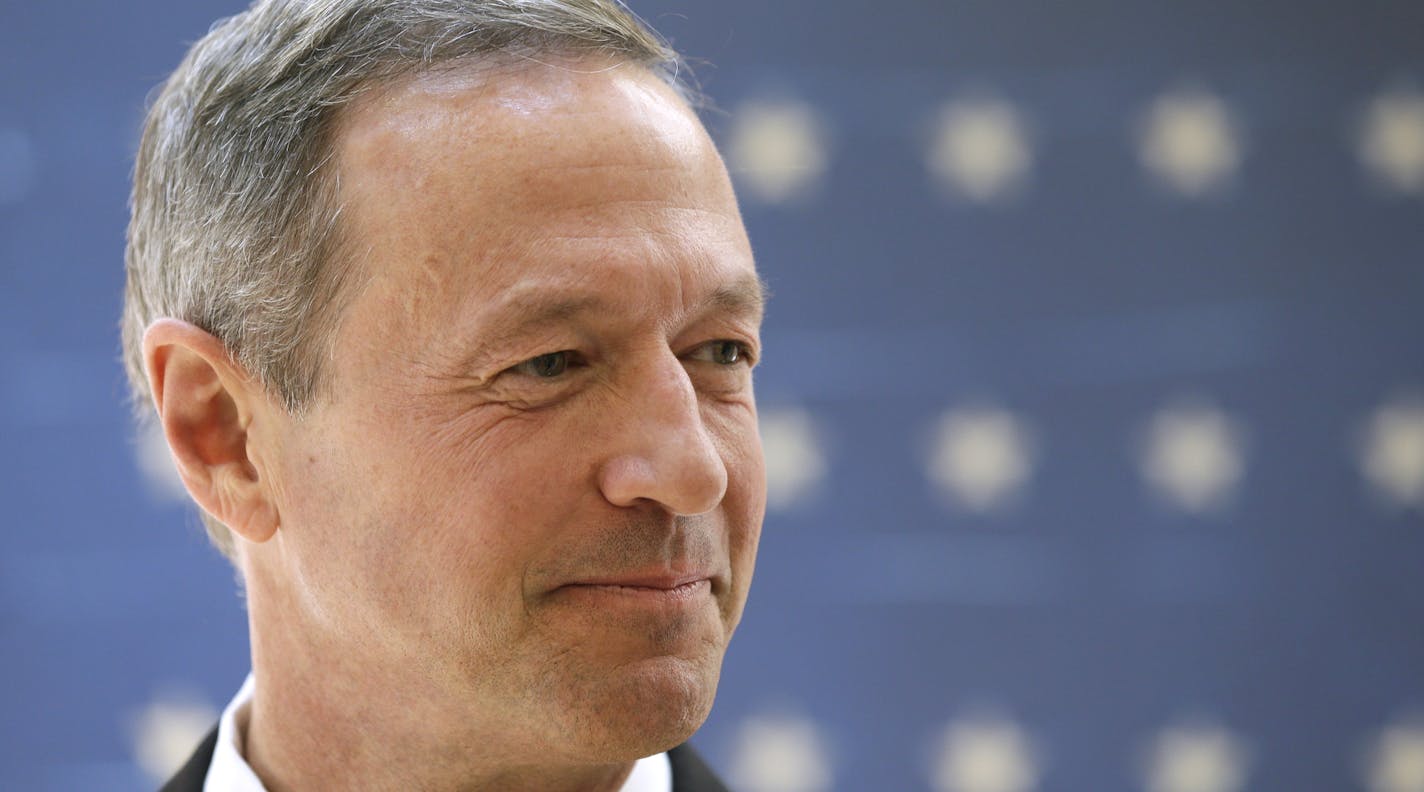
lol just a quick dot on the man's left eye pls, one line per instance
(547, 366)
(723, 353)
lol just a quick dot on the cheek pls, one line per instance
(735, 433)
(488, 496)
(733, 428)
(389, 534)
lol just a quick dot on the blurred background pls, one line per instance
(1093, 399)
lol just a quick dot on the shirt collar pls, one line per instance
(229, 771)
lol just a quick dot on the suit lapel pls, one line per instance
(190, 778)
(689, 772)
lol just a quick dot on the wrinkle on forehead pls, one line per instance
(445, 137)
(466, 181)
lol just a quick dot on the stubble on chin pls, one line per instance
(587, 704)
(639, 710)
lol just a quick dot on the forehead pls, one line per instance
(464, 183)
(564, 108)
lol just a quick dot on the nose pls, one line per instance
(663, 452)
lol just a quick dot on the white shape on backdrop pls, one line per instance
(1198, 757)
(1391, 140)
(980, 149)
(1392, 452)
(155, 462)
(1188, 140)
(795, 458)
(17, 165)
(984, 752)
(777, 149)
(166, 731)
(1395, 760)
(1193, 455)
(981, 457)
(779, 753)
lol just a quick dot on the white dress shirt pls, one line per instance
(229, 771)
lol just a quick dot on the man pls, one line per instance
(448, 316)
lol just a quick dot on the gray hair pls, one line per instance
(235, 212)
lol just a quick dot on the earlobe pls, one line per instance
(205, 404)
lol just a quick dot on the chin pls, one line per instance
(640, 709)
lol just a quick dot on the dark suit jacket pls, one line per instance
(689, 773)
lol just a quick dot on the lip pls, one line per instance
(619, 595)
(661, 589)
(654, 581)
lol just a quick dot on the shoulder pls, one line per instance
(190, 778)
(690, 773)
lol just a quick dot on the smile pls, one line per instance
(615, 594)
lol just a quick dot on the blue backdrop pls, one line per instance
(1093, 399)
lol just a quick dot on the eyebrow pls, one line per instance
(524, 311)
(747, 295)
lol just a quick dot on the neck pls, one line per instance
(287, 757)
(319, 721)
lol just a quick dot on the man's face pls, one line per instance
(536, 487)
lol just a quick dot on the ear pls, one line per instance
(206, 402)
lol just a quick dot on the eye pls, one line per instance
(546, 366)
(723, 352)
